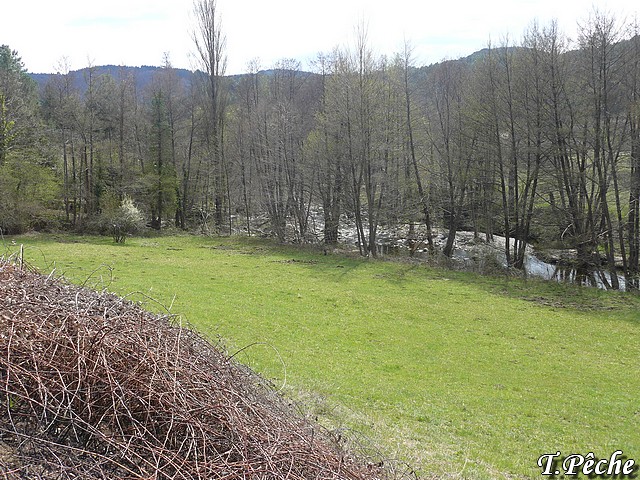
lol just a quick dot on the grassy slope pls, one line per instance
(456, 373)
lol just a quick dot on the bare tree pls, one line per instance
(605, 128)
(324, 148)
(632, 84)
(407, 62)
(453, 143)
(210, 44)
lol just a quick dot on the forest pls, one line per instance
(537, 140)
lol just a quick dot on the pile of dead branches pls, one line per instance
(94, 387)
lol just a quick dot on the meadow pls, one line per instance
(459, 375)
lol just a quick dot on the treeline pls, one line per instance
(537, 140)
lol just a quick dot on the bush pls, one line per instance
(127, 220)
(118, 219)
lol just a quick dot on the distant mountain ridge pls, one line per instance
(142, 75)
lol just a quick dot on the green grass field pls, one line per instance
(459, 375)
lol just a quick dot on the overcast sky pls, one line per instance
(139, 32)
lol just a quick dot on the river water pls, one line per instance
(592, 278)
(470, 250)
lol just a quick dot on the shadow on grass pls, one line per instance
(543, 292)
(338, 266)
(550, 293)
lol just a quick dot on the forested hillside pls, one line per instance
(536, 140)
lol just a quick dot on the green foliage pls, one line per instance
(28, 186)
(447, 370)
(6, 129)
(29, 193)
(18, 104)
(10, 62)
(161, 180)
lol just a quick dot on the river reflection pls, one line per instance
(469, 249)
(570, 274)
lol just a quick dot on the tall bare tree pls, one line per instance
(324, 148)
(632, 86)
(210, 43)
(407, 64)
(453, 143)
(604, 126)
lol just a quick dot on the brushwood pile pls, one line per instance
(95, 387)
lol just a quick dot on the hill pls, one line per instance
(144, 75)
(141, 75)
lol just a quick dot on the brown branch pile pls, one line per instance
(94, 387)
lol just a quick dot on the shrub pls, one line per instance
(126, 220)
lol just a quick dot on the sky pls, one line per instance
(52, 35)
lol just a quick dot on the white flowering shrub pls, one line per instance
(128, 220)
